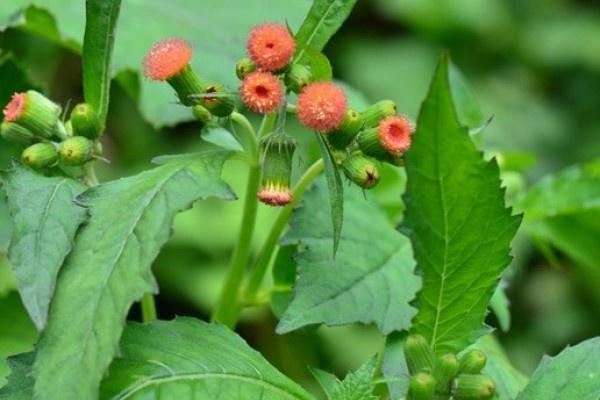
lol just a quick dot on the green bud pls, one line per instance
(369, 143)
(244, 67)
(419, 356)
(38, 114)
(445, 370)
(297, 77)
(76, 151)
(344, 135)
(85, 122)
(472, 387)
(378, 111)
(201, 113)
(361, 170)
(422, 387)
(472, 362)
(40, 155)
(187, 84)
(222, 105)
(16, 133)
(277, 171)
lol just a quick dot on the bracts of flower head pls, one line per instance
(346, 133)
(277, 170)
(35, 112)
(361, 170)
(85, 121)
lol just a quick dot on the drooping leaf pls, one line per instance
(101, 21)
(336, 193)
(572, 374)
(188, 358)
(45, 220)
(20, 382)
(109, 269)
(371, 279)
(457, 221)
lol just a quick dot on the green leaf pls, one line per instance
(320, 66)
(457, 221)
(467, 108)
(573, 374)
(324, 18)
(328, 382)
(187, 358)
(45, 220)
(284, 277)
(20, 382)
(336, 193)
(370, 281)
(221, 137)
(101, 19)
(394, 366)
(500, 306)
(109, 269)
(358, 385)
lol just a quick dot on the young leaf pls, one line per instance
(371, 278)
(457, 221)
(109, 269)
(327, 381)
(320, 66)
(358, 385)
(101, 20)
(573, 374)
(188, 358)
(20, 382)
(336, 193)
(45, 220)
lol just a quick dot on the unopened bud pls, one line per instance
(297, 77)
(472, 387)
(277, 171)
(85, 122)
(393, 136)
(16, 133)
(472, 362)
(244, 67)
(345, 134)
(76, 151)
(419, 356)
(376, 112)
(40, 155)
(445, 370)
(222, 104)
(422, 386)
(361, 170)
(33, 111)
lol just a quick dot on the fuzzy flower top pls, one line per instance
(271, 46)
(395, 134)
(167, 58)
(261, 92)
(322, 106)
(15, 107)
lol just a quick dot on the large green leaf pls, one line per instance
(45, 220)
(109, 269)
(370, 280)
(573, 374)
(187, 358)
(457, 221)
(20, 382)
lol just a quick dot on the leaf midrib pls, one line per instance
(314, 32)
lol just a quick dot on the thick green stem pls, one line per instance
(250, 142)
(148, 308)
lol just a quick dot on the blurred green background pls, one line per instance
(533, 65)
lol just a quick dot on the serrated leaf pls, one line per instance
(45, 220)
(101, 20)
(457, 221)
(572, 374)
(20, 382)
(327, 381)
(336, 193)
(358, 385)
(371, 279)
(109, 269)
(188, 358)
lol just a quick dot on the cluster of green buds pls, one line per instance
(445, 376)
(33, 121)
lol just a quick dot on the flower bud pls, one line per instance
(277, 171)
(220, 105)
(40, 155)
(244, 67)
(419, 356)
(445, 370)
(321, 107)
(472, 362)
(422, 387)
(391, 136)
(76, 151)
(85, 122)
(33, 111)
(297, 77)
(472, 387)
(361, 170)
(16, 133)
(271, 46)
(201, 113)
(345, 134)
(376, 112)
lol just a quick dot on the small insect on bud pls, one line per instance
(345, 134)
(419, 356)
(321, 107)
(221, 104)
(392, 136)
(297, 77)
(445, 370)
(85, 122)
(40, 156)
(472, 362)
(472, 387)
(76, 151)
(271, 46)
(16, 133)
(277, 170)
(361, 170)
(244, 67)
(33, 111)
(201, 113)
(422, 386)
(169, 60)
(261, 92)
(376, 112)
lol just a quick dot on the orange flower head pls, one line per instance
(261, 92)
(167, 58)
(271, 46)
(275, 195)
(15, 107)
(322, 106)
(395, 134)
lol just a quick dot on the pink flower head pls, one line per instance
(321, 106)
(167, 58)
(271, 46)
(261, 92)
(15, 107)
(275, 195)
(395, 134)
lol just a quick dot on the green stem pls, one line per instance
(90, 174)
(148, 308)
(250, 142)
(266, 252)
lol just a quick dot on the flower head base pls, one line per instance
(261, 92)
(15, 107)
(167, 58)
(271, 46)
(277, 170)
(395, 134)
(35, 112)
(275, 195)
(322, 106)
